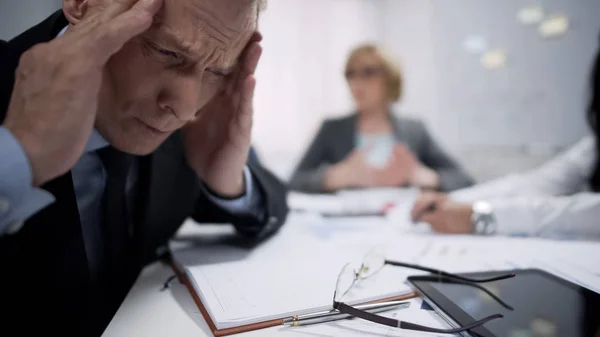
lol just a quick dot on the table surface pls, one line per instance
(147, 311)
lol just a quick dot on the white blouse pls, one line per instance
(550, 201)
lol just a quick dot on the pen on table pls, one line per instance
(429, 209)
(334, 315)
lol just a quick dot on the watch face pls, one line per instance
(482, 207)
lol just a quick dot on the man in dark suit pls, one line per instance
(120, 119)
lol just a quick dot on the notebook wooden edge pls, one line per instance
(250, 327)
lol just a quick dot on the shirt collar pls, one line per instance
(96, 140)
(62, 31)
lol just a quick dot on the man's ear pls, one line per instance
(74, 10)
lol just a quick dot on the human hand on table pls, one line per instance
(443, 214)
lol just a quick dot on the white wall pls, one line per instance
(502, 120)
(300, 77)
(408, 32)
(539, 97)
(17, 16)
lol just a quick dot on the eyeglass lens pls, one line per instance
(351, 273)
(364, 73)
(374, 262)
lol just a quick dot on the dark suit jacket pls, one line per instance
(45, 285)
(253, 156)
(336, 140)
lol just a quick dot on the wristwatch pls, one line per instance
(483, 219)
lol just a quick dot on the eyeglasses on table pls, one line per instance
(374, 262)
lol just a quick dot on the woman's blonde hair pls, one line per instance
(391, 70)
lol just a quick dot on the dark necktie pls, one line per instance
(115, 220)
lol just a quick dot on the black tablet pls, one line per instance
(534, 303)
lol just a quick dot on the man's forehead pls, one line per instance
(226, 24)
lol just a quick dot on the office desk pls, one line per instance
(149, 312)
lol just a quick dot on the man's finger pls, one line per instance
(116, 8)
(244, 115)
(256, 37)
(109, 37)
(247, 68)
(250, 61)
(102, 14)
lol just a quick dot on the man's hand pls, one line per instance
(443, 214)
(55, 97)
(217, 141)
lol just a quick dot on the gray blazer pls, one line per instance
(336, 139)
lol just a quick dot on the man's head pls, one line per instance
(159, 80)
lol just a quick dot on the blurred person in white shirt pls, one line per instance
(558, 199)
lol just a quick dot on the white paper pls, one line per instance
(315, 202)
(351, 202)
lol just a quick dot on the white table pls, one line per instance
(147, 311)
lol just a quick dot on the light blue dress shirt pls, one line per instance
(19, 200)
(379, 147)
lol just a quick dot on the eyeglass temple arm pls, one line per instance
(346, 309)
(417, 327)
(443, 273)
(394, 323)
(484, 289)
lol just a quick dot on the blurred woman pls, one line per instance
(372, 147)
(559, 199)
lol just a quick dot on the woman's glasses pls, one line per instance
(363, 73)
(374, 262)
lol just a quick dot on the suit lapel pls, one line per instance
(398, 129)
(345, 141)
